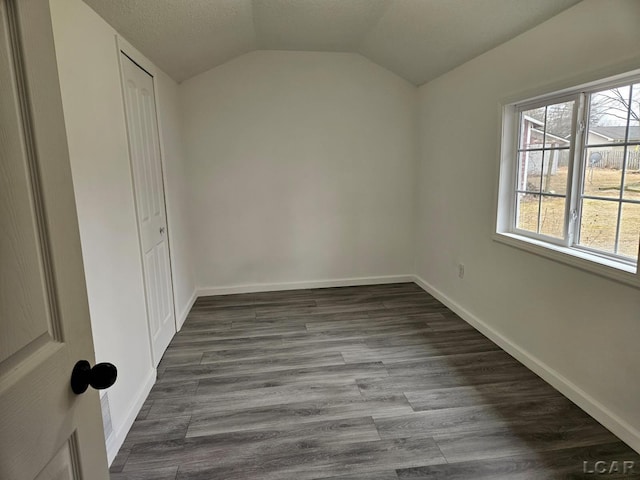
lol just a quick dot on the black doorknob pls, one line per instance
(101, 376)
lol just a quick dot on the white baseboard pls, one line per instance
(597, 410)
(273, 287)
(115, 441)
(185, 311)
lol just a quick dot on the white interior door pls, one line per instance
(144, 149)
(46, 431)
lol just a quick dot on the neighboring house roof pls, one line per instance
(616, 134)
(540, 132)
(551, 136)
(533, 120)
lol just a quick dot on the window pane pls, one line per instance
(603, 172)
(634, 128)
(555, 171)
(552, 216)
(632, 176)
(532, 128)
(629, 230)
(527, 212)
(598, 225)
(559, 122)
(530, 171)
(608, 116)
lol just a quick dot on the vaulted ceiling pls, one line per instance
(417, 39)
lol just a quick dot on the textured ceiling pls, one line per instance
(417, 39)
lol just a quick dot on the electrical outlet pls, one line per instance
(461, 270)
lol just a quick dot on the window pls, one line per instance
(570, 177)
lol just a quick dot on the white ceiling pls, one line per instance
(417, 39)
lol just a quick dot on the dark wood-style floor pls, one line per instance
(359, 383)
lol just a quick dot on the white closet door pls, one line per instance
(144, 148)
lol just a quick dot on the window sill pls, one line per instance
(614, 270)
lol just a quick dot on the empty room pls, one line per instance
(319, 239)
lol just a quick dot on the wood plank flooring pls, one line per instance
(358, 383)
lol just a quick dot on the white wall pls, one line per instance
(300, 167)
(97, 138)
(583, 329)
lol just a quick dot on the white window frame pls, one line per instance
(564, 250)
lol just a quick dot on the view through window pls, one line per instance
(578, 171)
